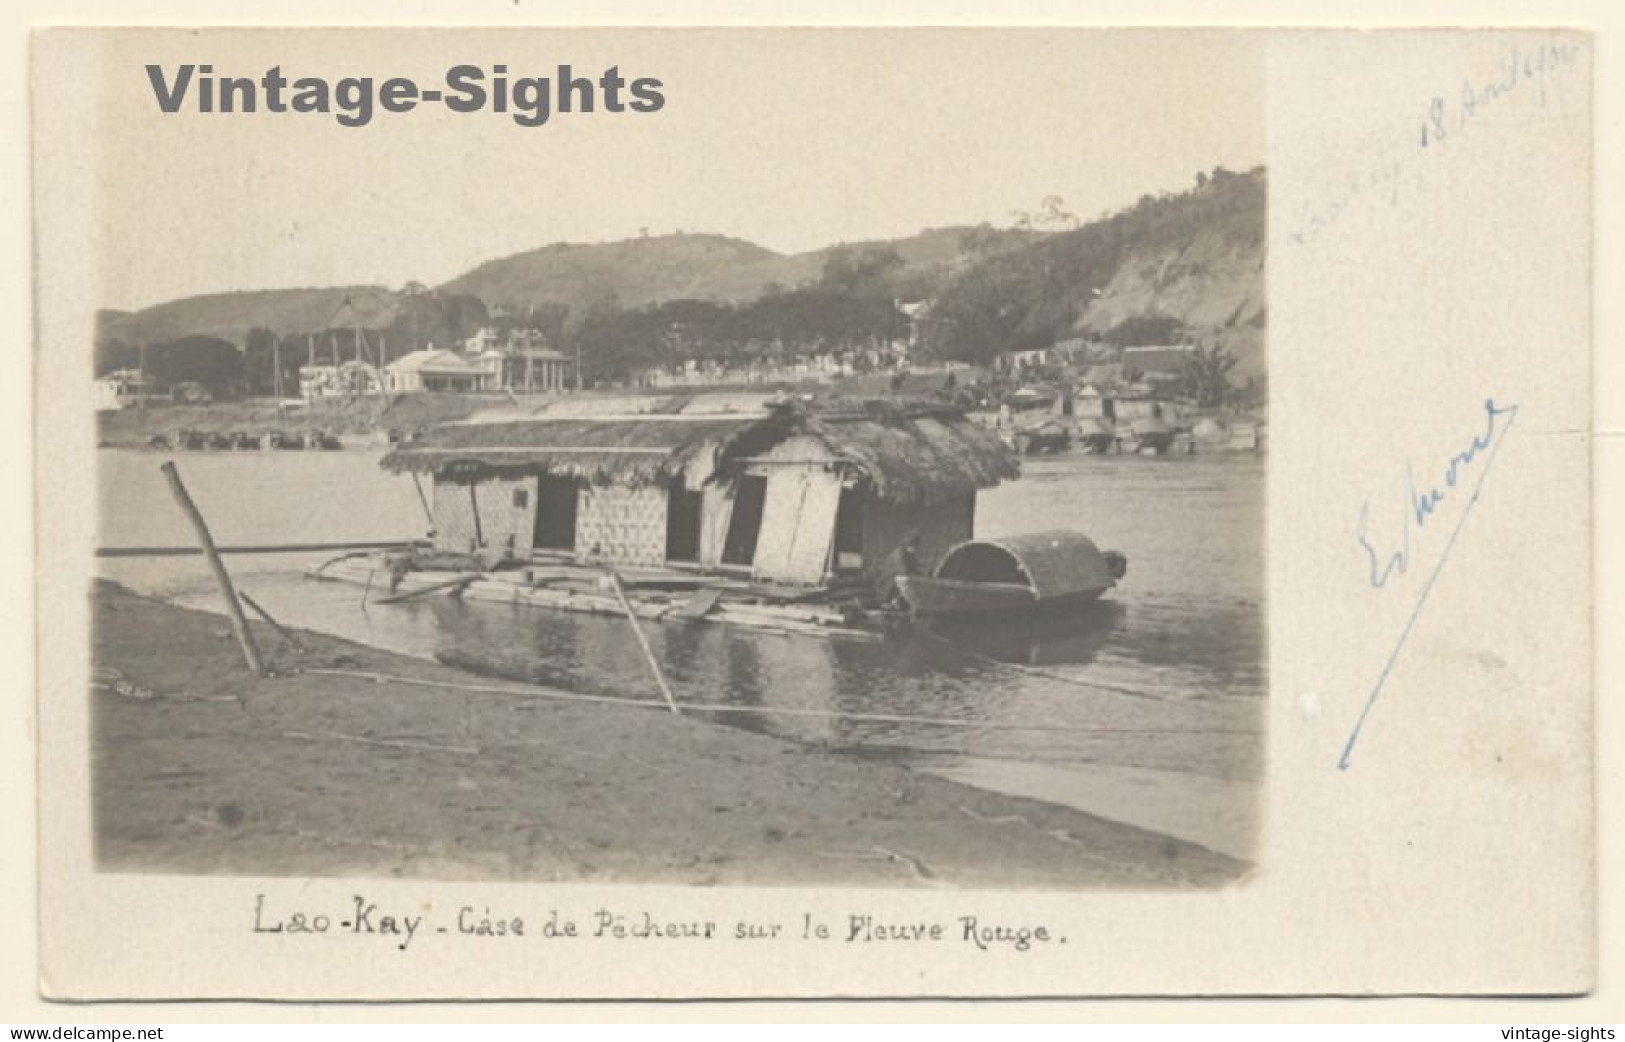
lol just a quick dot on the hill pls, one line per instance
(1203, 268)
(1185, 267)
(626, 274)
(229, 316)
(584, 277)
(634, 273)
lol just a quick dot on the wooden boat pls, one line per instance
(928, 595)
(1040, 571)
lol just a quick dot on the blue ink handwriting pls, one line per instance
(1396, 164)
(1421, 506)
(1517, 68)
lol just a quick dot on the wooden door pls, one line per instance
(682, 522)
(798, 525)
(849, 531)
(745, 524)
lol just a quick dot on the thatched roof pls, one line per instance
(914, 455)
(908, 453)
(623, 451)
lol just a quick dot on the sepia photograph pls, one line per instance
(773, 513)
(755, 509)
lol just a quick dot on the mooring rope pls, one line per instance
(528, 691)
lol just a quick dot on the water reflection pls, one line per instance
(1074, 637)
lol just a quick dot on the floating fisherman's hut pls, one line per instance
(789, 493)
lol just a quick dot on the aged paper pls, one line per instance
(1404, 805)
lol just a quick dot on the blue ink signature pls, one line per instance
(1420, 506)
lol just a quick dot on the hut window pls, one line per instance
(521, 498)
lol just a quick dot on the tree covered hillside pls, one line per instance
(230, 316)
(1170, 268)
(595, 278)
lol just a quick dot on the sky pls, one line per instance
(790, 138)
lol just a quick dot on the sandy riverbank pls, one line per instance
(199, 769)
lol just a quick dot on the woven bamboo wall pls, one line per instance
(502, 522)
(619, 525)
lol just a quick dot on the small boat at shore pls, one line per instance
(1038, 572)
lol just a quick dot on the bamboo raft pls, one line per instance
(657, 597)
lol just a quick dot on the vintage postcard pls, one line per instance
(775, 513)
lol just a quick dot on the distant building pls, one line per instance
(916, 310)
(486, 339)
(490, 365)
(537, 369)
(120, 389)
(819, 368)
(106, 394)
(1012, 361)
(521, 360)
(431, 370)
(116, 389)
(1139, 401)
(345, 380)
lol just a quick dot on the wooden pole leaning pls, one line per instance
(285, 633)
(455, 585)
(234, 608)
(428, 512)
(643, 641)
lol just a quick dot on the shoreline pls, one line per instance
(366, 422)
(198, 768)
(362, 422)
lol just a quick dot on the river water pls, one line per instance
(1148, 708)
